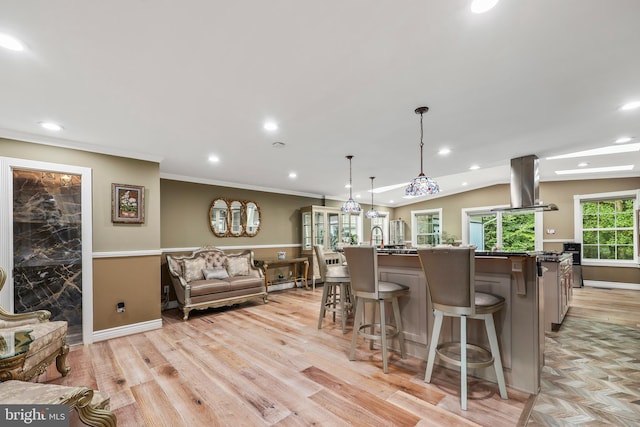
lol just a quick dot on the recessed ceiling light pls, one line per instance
(358, 196)
(583, 164)
(11, 43)
(292, 175)
(270, 126)
(623, 139)
(51, 126)
(214, 159)
(482, 6)
(474, 167)
(630, 106)
(444, 151)
(612, 149)
(390, 201)
(596, 170)
(464, 184)
(347, 186)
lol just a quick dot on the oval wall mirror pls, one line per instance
(236, 227)
(252, 219)
(218, 219)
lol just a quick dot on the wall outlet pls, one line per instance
(120, 307)
(166, 289)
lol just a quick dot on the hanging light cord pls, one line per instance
(350, 182)
(421, 144)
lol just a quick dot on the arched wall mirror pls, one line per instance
(218, 218)
(235, 215)
(252, 222)
(234, 218)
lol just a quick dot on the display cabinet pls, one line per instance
(329, 228)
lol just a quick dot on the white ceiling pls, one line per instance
(178, 81)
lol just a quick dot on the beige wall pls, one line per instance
(133, 280)
(136, 281)
(560, 192)
(185, 210)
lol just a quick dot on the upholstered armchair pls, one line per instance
(46, 343)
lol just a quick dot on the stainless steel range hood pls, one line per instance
(524, 186)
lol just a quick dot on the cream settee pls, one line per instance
(209, 277)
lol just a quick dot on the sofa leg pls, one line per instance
(186, 314)
(61, 361)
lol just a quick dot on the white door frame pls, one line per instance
(7, 165)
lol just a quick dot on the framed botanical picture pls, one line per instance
(127, 203)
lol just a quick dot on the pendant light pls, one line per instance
(351, 206)
(422, 184)
(372, 213)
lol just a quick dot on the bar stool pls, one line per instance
(450, 273)
(366, 285)
(336, 292)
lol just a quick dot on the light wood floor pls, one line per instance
(618, 306)
(268, 364)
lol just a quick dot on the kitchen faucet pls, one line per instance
(371, 237)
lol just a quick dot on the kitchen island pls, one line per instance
(519, 325)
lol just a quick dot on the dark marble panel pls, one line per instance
(47, 245)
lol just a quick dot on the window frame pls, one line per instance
(467, 213)
(414, 224)
(577, 225)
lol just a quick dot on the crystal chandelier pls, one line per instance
(372, 213)
(351, 206)
(422, 184)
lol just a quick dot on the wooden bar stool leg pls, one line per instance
(495, 352)
(323, 303)
(357, 321)
(463, 362)
(334, 298)
(343, 310)
(383, 337)
(435, 336)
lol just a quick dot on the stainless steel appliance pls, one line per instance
(576, 250)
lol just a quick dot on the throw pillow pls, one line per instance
(215, 273)
(238, 265)
(193, 269)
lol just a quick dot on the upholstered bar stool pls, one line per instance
(336, 291)
(450, 273)
(366, 286)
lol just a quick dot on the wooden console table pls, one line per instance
(298, 275)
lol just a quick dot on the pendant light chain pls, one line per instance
(422, 184)
(421, 144)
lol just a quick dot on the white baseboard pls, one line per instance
(122, 331)
(611, 285)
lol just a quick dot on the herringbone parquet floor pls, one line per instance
(592, 369)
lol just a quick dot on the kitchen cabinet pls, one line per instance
(330, 228)
(558, 291)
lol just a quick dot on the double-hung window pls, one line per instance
(605, 224)
(426, 227)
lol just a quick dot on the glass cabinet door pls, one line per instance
(334, 230)
(319, 227)
(306, 231)
(350, 229)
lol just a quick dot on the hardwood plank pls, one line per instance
(436, 416)
(376, 406)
